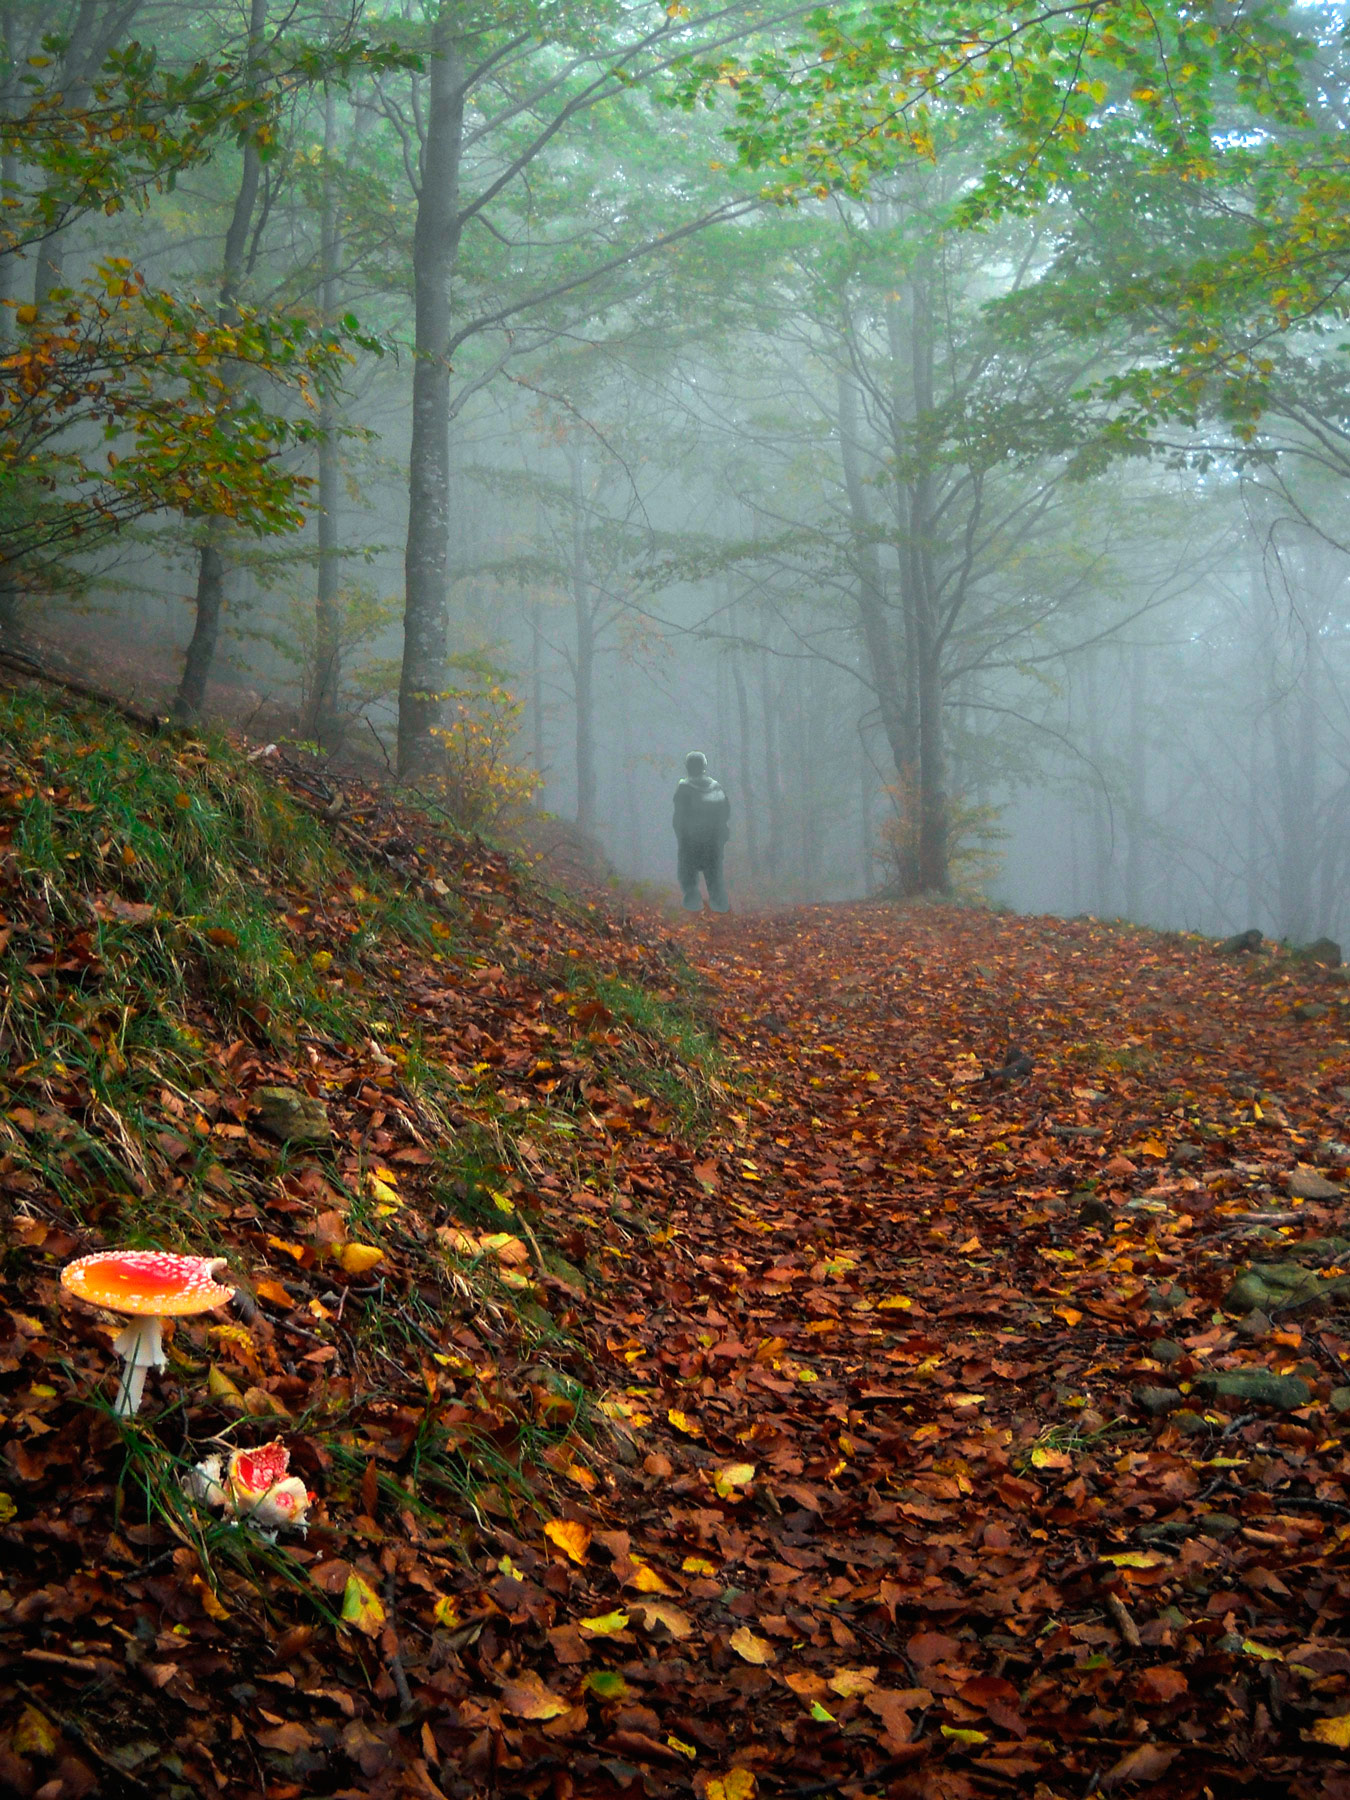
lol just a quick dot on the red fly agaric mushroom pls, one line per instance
(151, 1285)
(260, 1489)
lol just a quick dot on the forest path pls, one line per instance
(925, 1523)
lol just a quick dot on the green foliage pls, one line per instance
(149, 378)
(866, 88)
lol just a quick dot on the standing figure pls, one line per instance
(702, 825)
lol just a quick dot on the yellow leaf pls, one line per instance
(820, 1714)
(446, 1612)
(683, 1748)
(1134, 1559)
(361, 1606)
(895, 1303)
(750, 1648)
(7, 1509)
(356, 1259)
(1335, 1732)
(692, 1565)
(210, 1604)
(647, 1580)
(682, 1422)
(571, 1536)
(1069, 1314)
(220, 1387)
(848, 1683)
(35, 1735)
(1262, 1652)
(956, 1736)
(528, 1698)
(736, 1784)
(605, 1624)
(733, 1476)
(1042, 1457)
(383, 1192)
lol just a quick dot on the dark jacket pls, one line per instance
(702, 810)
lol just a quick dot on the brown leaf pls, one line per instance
(1161, 1685)
(528, 1698)
(289, 1738)
(1146, 1763)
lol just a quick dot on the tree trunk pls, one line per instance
(584, 606)
(747, 798)
(883, 665)
(11, 261)
(96, 28)
(202, 649)
(933, 850)
(537, 687)
(1136, 846)
(772, 783)
(209, 600)
(1100, 895)
(324, 713)
(426, 562)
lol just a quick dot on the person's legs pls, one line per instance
(712, 874)
(687, 868)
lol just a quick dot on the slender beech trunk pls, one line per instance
(436, 237)
(878, 641)
(1294, 738)
(11, 261)
(866, 783)
(773, 792)
(1100, 896)
(934, 873)
(584, 667)
(748, 809)
(324, 713)
(209, 600)
(1138, 763)
(537, 686)
(91, 37)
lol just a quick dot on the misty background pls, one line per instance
(815, 490)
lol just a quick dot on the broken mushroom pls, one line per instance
(254, 1489)
(151, 1285)
(261, 1490)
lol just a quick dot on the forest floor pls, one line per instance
(709, 1378)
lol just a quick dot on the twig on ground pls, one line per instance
(1124, 1619)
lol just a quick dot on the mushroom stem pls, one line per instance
(141, 1349)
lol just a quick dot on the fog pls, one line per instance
(628, 456)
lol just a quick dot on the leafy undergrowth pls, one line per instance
(836, 1418)
(180, 936)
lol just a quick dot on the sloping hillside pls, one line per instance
(386, 1075)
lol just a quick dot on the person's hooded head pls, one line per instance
(696, 764)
